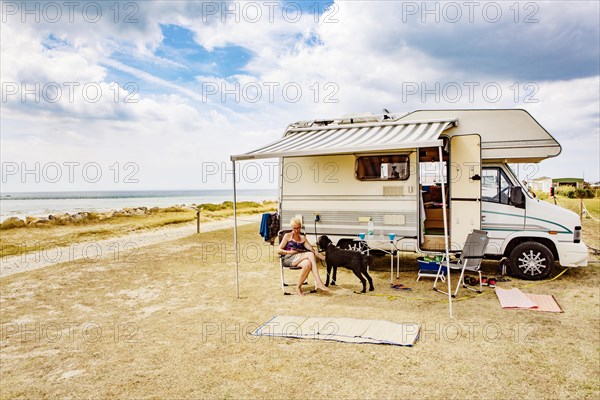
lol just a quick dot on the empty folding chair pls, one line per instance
(469, 260)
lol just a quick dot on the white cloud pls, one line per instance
(367, 60)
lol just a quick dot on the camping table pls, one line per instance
(382, 245)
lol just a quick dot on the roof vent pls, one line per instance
(358, 118)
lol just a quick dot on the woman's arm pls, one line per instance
(309, 247)
(284, 241)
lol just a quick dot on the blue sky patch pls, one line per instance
(180, 47)
(179, 59)
(52, 42)
(312, 40)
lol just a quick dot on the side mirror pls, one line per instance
(517, 198)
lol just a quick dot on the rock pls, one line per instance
(106, 215)
(35, 221)
(60, 218)
(31, 220)
(12, 222)
(79, 217)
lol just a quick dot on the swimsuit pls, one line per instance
(288, 259)
(293, 245)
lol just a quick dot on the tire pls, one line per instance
(531, 261)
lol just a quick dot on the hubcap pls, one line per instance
(532, 264)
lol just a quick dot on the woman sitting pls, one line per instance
(297, 252)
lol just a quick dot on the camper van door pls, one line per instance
(465, 187)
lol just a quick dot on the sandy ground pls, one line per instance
(97, 250)
(164, 322)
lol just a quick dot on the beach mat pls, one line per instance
(545, 302)
(513, 298)
(348, 330)
(516, 299)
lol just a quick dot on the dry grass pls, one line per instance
(165, 323)
(42, 237)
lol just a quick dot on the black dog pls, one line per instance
(353, 260)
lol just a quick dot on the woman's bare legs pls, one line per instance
(308, 263)
(306, 268)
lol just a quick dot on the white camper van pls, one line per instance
(404, 174)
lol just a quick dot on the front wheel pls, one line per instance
(531, 261)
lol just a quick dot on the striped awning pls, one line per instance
(353, 138)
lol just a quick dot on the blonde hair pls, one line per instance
(297, 220)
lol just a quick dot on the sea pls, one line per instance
(43, 204)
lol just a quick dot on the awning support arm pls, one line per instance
(235, 241)
(445, 214)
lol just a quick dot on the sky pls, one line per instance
(157, 95)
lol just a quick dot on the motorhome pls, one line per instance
(430, 177)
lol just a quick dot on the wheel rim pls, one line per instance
(532, 263)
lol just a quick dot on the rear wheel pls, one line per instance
(532, 261)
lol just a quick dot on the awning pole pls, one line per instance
(235, 241)
(444, 212)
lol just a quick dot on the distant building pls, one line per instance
(565, 182)
(541, 184)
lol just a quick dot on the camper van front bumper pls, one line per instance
(573, 254)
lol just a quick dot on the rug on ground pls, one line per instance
(349, 330)
(516, 299)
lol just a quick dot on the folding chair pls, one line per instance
(469, 260)
(282, 268)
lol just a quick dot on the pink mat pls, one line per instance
(515, 299)
(545, 302)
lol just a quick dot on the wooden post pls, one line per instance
(198, 220)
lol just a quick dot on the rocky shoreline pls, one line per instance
(128, 245)
(87, 216)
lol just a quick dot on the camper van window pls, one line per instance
(495, 186)
(387, 167)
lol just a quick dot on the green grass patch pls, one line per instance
(592, 205)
